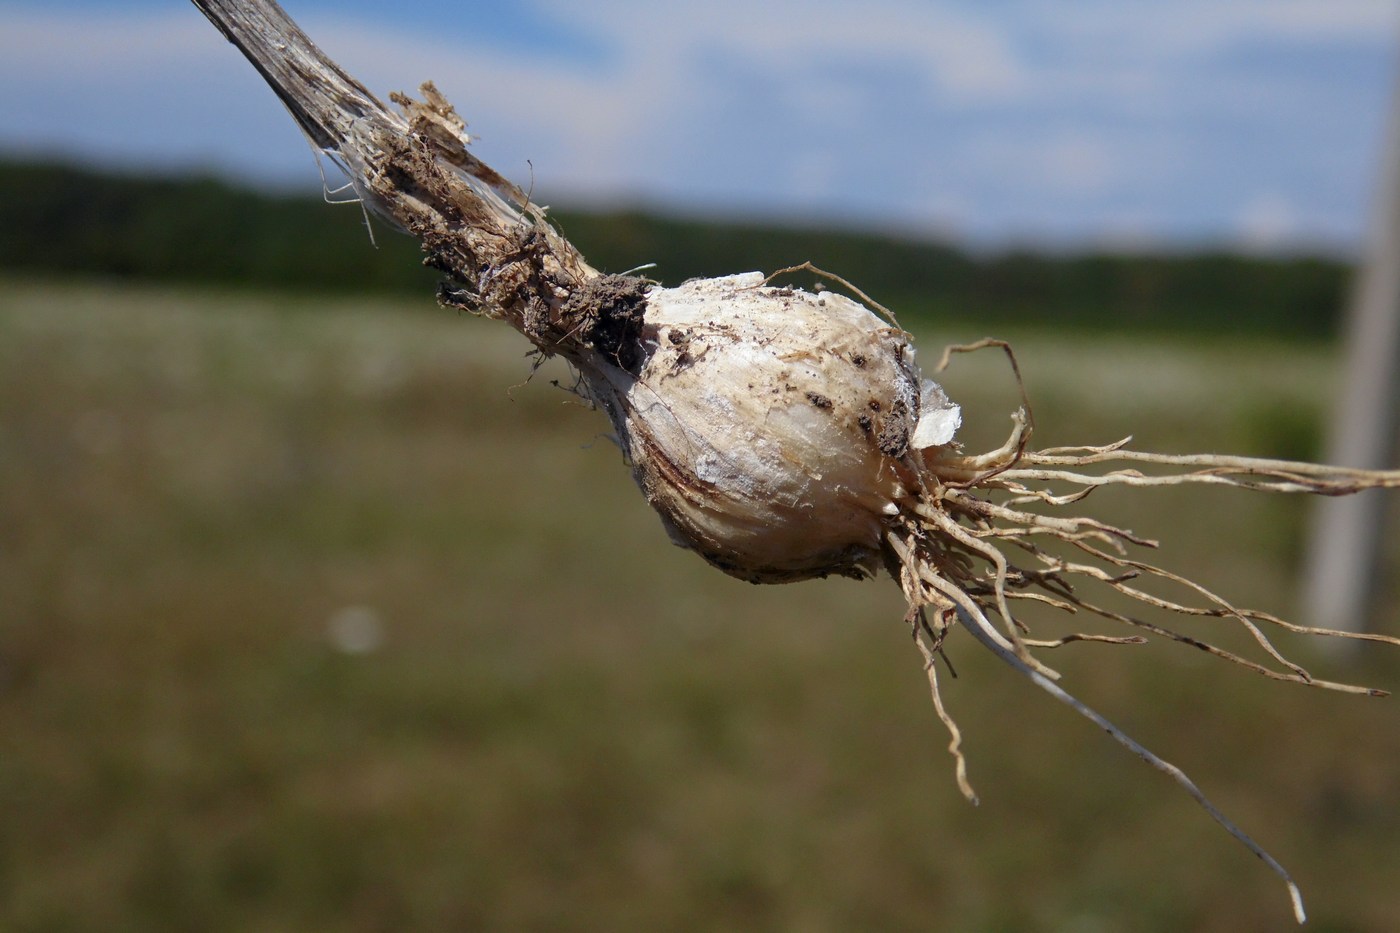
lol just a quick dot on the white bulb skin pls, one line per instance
(769, 427)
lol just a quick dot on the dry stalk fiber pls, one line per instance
(783, 434)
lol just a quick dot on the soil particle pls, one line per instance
(606, 314)
(819, 400)
(893, 437)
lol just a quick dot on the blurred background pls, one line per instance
(317, 611)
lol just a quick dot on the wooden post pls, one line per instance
(1341, 585)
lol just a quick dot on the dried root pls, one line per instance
(949, 551)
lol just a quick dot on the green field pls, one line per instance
(570, 724)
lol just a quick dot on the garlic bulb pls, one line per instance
(770, 427)
(782, 434)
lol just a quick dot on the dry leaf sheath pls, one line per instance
(783, 434)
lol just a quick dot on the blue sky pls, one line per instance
(1259, 122)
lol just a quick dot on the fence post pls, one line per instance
(1341, 574)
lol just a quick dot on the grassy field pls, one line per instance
(323, 616)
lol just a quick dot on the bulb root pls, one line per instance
(948, 549)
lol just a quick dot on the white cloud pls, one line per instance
(671, 81)
(1080, 163)
(1269, 221)
(816, 174)
(1003, 117)
(955, 50)
(167, 80)
(1294, 19)
(1157, 31)
(98, 44)
(577, 116)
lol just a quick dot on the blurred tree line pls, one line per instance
(62, 220)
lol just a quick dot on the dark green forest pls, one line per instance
(62, 221)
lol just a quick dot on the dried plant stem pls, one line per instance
(412, 166)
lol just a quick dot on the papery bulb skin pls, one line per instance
(771, 428)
